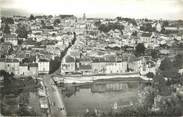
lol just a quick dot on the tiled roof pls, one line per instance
(29, 42)
(43, 60)
(9, 60)
(85, 67)
(10, 36)
(69, 59)
(33, 65)
(146, 34)
(23, 64)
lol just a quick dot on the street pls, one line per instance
(57, 107)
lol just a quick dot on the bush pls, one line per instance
(150, 75)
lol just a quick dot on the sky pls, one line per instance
(156, 9)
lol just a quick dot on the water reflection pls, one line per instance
(100, 94)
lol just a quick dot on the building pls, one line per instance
(83, 65)
(135, 64)
(84, 16)
(158, 27)
(10, 65)
(33, 68)
(28, 69)
(116, 67)
(145, 37)
(43, 66)
(11, 38)
(23, 69)
(98, 65)
(104, 66)
(68, 65)
(5, 48)
(2, 64)
(171, 28)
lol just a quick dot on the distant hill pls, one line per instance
(13, 12)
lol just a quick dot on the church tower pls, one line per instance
(84, 16)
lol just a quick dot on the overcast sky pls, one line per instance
(171, 9)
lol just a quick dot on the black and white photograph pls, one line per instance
(91, 58)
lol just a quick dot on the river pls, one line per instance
(101, 95)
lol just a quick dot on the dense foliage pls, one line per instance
(6, 29)
(56, 22)
(22, 30)
(139, 49)
(110, 26)
(7, 20)
(129, 20)
(32, 17)
(147, 27)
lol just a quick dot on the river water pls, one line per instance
(100, 95)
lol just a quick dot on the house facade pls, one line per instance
(11, 38)
(68, 65)
(43, 66)
(28, 69)
(9, 65)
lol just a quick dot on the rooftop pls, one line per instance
(43, 60)
(69, 59)
(9, 60)
(85, 67)
(146, 34)
(10, 36)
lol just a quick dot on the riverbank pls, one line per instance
(134, 76)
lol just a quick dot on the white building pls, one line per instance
(116, 67)
(28, 69)
(12, 38)
(9, 65)
(43, 66)
(68, 65)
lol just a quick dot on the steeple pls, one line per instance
(84, 16)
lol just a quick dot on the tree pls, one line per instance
(160, 85)
(103, 28)
(50, 16)
(97, 23)
(166, 64)
(154, 54)
(43, 23)
(2, 40)
(111, 26)
(169, 71)
(32, 17)
(53, 35)
(56, 22)
(6, 29)
(139, 49)
(178, 61)
(22, 31)
(20, 41)
(119, 18)
(54, 64)
(7, 20)
(147, 27)
(165, 23)
(150, 75)
(4, 73)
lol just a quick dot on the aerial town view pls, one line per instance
(89, 58)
